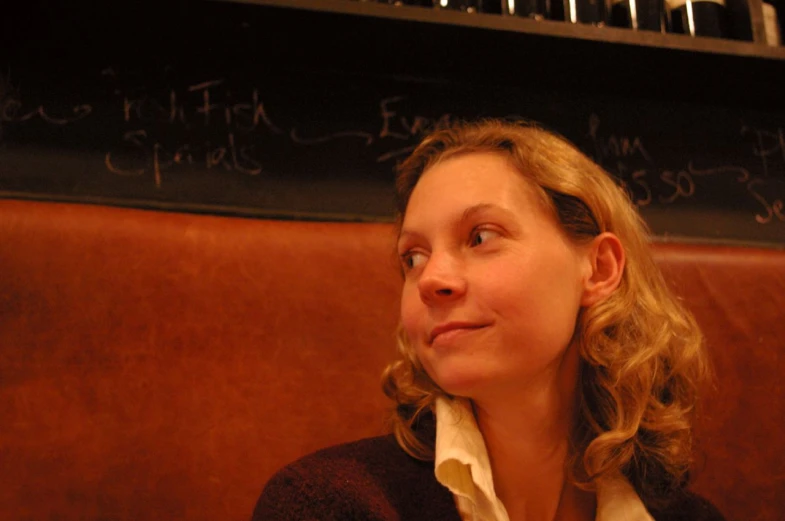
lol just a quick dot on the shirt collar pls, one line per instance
(461, 464)
(461, 459)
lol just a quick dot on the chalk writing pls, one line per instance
(394, 127)
(13, 110)
(645, 182)
(140, 153)
(405, 128)
(210, 106)
(773, 207)
(768, 145)
(161, 131)
(137, 156)
(614, 146)
(626, 158)
(245, 115)
(215, 130)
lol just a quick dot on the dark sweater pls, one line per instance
(374, 479)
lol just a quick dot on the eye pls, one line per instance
(481, 236)
(412, 259)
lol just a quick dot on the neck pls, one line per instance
(527, 434)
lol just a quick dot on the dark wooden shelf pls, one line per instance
(547, 28)
(418, 43)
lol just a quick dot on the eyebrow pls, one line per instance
(479, 208)
(467, 214)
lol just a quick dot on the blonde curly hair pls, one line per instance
(643, 361)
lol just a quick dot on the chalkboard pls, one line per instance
(180, 113)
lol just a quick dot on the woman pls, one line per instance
(546, 373)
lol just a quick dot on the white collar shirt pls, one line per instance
(462, 465)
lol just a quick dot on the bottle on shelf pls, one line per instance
(772, 23)
(593, 12)
(537, 9)
(421, 3)
(467, 6)
(645, 15)
(698, 17)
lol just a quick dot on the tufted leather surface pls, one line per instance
(161, 366)
(738, 298)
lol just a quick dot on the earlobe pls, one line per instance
(606, 258)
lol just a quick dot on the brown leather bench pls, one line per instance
(161, 365)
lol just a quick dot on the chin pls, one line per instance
(457, 382)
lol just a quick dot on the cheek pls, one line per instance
(541, 298)
(411, 312)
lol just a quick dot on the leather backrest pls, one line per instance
(160, 365)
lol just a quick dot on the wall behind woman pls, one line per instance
(226, 108)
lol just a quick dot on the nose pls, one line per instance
(441, 281)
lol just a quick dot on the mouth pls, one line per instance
(451, 329)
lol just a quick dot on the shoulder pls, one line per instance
(371, 479)
(688, 506)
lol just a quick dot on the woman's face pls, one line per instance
(492, 285)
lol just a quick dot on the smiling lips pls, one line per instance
(451, 329)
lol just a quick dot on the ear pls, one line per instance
(606, 261)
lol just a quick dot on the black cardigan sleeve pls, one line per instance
(292, 495)
(368, 480)
(689, 507)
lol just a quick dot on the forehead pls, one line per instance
(470, 179)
